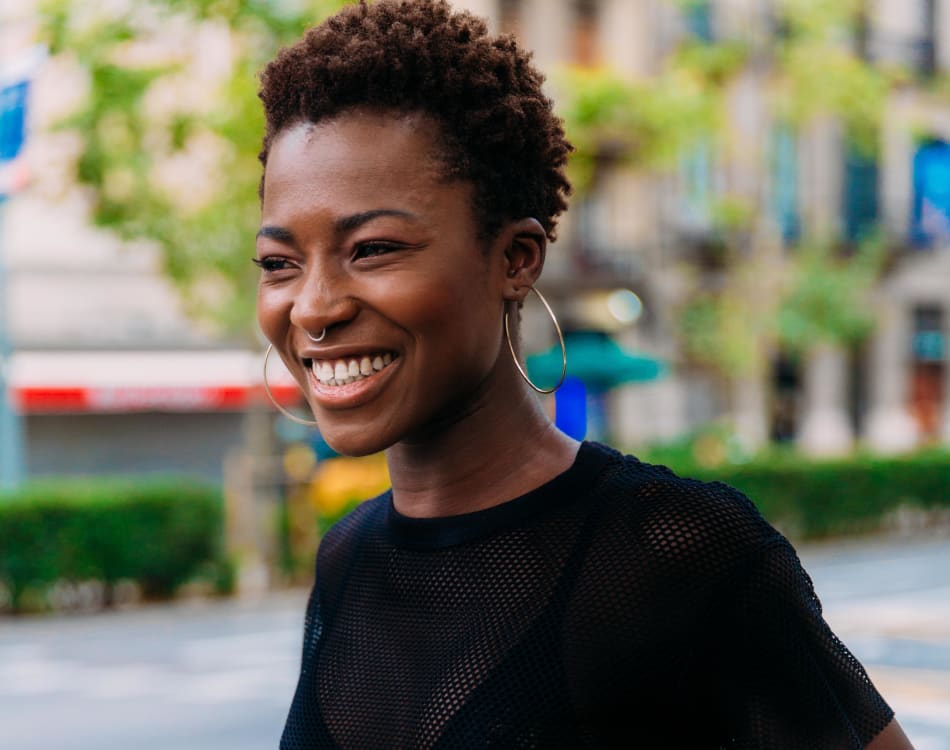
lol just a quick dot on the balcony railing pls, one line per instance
(919, 53)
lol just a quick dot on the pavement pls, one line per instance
(889, 601)
(210, 675)
(195, 675)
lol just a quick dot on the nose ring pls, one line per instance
(315, 339)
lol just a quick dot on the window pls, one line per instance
(927, 372)
(927, 45)
(929, 343)
(585, 49)
(696, 180)
(698, 19)
(905, 34)
(509, 14)
(860, 198)
(784, 187)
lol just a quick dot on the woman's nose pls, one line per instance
(322, 301)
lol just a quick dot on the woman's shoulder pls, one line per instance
(654, 507)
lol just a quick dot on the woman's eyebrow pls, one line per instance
(341, 226)
(349, 223)
(278, 234)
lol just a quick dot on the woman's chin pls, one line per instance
(352, 443)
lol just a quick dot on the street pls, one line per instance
(214, 675)
(185, 676)
(890, 603)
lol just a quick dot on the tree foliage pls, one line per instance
(828, 298)
(644, 124)
(171, 127)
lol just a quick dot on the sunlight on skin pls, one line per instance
(892, 738)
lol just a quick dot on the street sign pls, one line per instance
(13, 170)
(13, 119)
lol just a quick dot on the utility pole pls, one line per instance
(14, 89)
(11, 429)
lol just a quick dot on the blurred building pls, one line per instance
(111, 375)
(633, 230)
(108, 373)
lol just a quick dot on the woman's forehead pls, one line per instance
(358, 162)
(357, 146)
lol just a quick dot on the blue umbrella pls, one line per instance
(595, 359)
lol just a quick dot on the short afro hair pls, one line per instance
(499, 130)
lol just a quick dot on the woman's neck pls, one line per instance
(502, 449)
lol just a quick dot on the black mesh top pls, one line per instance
(618, 605)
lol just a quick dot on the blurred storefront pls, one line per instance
(128, 411)
(107, 373)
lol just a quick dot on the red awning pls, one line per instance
(127, 381)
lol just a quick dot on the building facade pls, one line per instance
(107, 374)
(893, 391)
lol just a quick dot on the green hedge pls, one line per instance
(158, 532)
(811, 498)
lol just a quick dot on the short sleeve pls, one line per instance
(784, 679)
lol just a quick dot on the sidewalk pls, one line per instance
(889, 601)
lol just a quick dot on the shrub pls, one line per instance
(811, 498)
(158, 532)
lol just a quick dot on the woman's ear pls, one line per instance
(525, 244)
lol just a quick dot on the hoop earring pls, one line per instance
(317, 339)
(560, 337)
(281, 409)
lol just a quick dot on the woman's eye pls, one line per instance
(372, 249)
(271, 264)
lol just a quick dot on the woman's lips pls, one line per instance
(334, 384)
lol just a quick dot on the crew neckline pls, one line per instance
(447, 531)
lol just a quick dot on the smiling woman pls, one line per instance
(361, 239)
(513, 588)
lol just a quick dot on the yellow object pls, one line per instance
(340, 483)
(299, 461)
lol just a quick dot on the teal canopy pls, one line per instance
(597, 360)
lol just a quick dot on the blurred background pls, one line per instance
(753, 279)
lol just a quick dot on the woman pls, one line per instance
(514, 589)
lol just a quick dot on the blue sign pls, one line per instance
(12, 119)
(931, 214)
(571, 408)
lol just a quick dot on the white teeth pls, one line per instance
(343, 372)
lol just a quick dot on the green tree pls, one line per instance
(171, 127)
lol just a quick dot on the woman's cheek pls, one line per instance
(272, 318)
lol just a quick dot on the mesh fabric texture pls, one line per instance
(616, 606)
